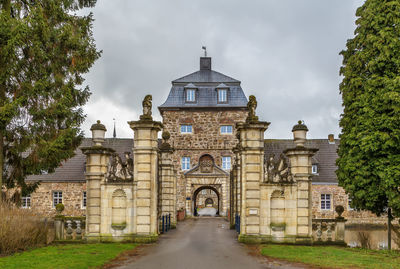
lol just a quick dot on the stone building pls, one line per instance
(207, 117)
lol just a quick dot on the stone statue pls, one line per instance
(147, 105)
(118, 170)
(277, 172)
(251, 106)
(129, 165)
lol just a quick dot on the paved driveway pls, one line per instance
(204, 243)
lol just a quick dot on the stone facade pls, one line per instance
(205, 138)
(72, 198)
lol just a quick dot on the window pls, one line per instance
(226, 162)
(26, 201)
(204, 192)
(226, 129)
(185, 163)
(84, 200)
(314, 169)
(191, 95)
(349, 204)
(222, 96)
(186, 129)
(325, 201)
(57, 198)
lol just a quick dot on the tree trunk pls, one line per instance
(1, 165)
(389, 228)
(6, 7)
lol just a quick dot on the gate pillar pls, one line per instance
(251, 162)
(96, 167)
(167, 180)
(301, 163)
(145, 173)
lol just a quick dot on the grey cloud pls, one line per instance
(284, 52)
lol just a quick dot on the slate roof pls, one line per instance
(205, 76)
(206, 81)
(73, 169)
(325, 158)
(206, 97)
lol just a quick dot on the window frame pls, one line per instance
(226, 132)
(314, 171)
(186, 125)
(224, 158)
(24, 200)
(219, 101)
(324, 200)
(58, 197)
(185, 163)
(349, 208)
(194, 90)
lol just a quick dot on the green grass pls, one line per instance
(66, 256)
(334, 257)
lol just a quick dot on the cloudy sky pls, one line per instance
(285, 52)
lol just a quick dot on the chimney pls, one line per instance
(205, 63)
(331, 139)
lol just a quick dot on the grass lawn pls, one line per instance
(66, 256)
(334, 257)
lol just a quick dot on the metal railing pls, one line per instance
(165, 223)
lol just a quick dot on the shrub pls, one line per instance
(20, 229)
(364, 239)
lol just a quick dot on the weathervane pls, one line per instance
(205, 50)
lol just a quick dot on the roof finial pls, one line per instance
(115, 132)
(205, 50)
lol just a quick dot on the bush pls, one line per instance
(364, 239)
(20, 229)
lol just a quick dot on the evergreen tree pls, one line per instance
(45, 48)
(369, 151)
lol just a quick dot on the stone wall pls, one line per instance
(72, 198)
(42, 201)
(339, 197)
(204, 139)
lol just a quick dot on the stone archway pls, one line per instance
(206, 175)
(197, 191)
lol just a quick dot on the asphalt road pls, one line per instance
(204, 243)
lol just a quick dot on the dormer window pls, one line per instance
(222, 95)
(190, 95)
(314, 169)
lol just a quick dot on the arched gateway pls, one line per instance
(207, 175)
(212, 139)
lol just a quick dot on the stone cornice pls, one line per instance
(96, 150)
(145, 124)
(300, 150)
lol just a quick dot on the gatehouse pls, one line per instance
(212, 140)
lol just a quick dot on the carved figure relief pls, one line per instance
(277, 172)
(118, 170)
(206, 164)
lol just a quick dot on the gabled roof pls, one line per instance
(325, 157)
(73, 170)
